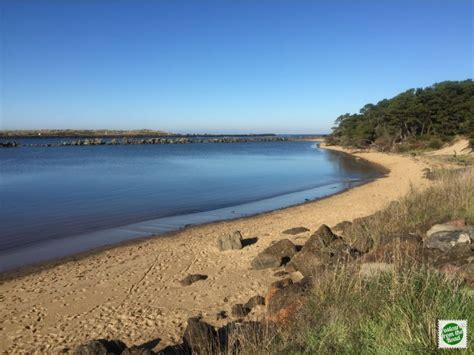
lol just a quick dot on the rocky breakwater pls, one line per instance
(155, 140)
(9, 144)
(173, 140)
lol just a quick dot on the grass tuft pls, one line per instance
(395, 312)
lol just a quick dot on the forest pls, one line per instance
(422, 118)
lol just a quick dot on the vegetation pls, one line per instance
(450, 198)
(396, 312)
(415, 119)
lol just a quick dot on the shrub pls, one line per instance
(435, 143)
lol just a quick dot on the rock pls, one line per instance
(306, 262)
(200, 337)
(323, 237)
(322, 250)
(458, 255)
(101, 347)
(296, 276)
(356, 234)
(342, 226)
(239, 310)
(283, 303)
(445, 240)
(255, 301)
(230, 241)
(374, 270)
(190, 279)
(275, 255)
(437, 228)
(178, 349)
(296, 230)
(135, 350)
(275, 287)
(9, 144)
(363, 243)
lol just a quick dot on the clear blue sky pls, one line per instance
(221, 66)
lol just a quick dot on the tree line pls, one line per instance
(415, 119)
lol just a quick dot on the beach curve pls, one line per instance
(132, 291)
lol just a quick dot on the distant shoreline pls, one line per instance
(110, 133)
(73, 139)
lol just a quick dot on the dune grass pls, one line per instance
(397, 311)
(451, 197)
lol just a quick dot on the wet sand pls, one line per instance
(132, 291)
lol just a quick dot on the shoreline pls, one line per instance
(49, 263)
(118, 270)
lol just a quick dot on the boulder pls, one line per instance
(363, 243)
(284, 302)
(296, 230)
(446, 228)
(342, 226)
(458, 255)
(306, 262)
(275, 255)
(136, 350)
(445, 240)
(323, 237)
(356, 234)
(239, 310)
(190, 279)
(322, 250)
(200, 337)
(230, 241)
(276, 286)
(101, 347)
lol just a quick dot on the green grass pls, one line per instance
(451, 197)
(396, 312)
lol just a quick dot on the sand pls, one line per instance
(459, 147)
(132, 292)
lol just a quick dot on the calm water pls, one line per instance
(60, 200)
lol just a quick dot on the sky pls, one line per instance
(236, 66)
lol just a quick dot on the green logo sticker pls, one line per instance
(452, 334)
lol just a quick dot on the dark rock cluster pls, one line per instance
(447, 247)
(9, 144)
(154, 140)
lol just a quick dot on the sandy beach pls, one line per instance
(132, 292)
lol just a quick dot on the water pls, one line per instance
(60, 200)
